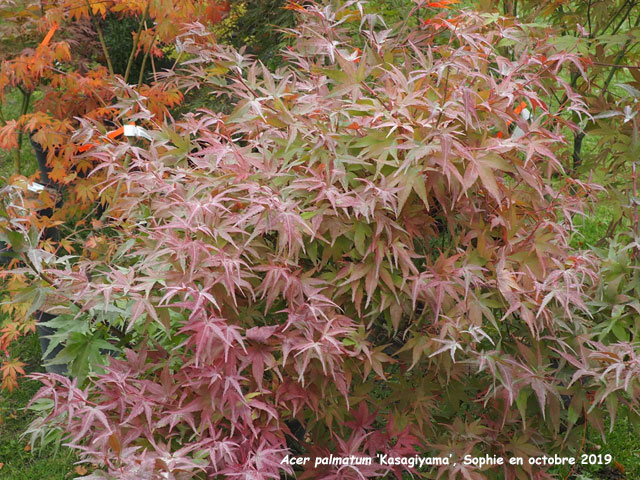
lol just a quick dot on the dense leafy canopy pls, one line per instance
(362, 257)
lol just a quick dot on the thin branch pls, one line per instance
(135, 42)
(576, 75)
(26, 97)
(584, 437)
(153, 64)
(144, 59)
(100, 37)
(444, 98)
(238, 77)
(413, 11)
(175, 63)
(613, 65)
(634, 176)
(626, 17)
(615, 15)
(578, 138)
(153, 69)
(619, 59)
(377, 97)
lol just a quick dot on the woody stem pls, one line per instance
(136, 42)
(101, 38)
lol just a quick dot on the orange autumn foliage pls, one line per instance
(62, 90)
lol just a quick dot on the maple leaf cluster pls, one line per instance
(351, 262)
(68, 89)
(60, 89)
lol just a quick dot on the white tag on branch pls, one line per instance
(35, 187)
(518, 132)
(135, 131)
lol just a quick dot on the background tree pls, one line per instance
(605, 33)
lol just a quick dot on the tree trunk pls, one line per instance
(577, 148)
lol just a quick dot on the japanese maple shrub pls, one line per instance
(61, 59)
(352, 262)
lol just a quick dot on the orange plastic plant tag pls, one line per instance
(49, 35)
(111, 135)
(517, 111)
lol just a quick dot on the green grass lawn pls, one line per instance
(623, 443)
(17, 460)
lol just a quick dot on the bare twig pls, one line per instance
(618, 59)
(613, 65)
(100, 37)
(613, 17)
(135, 42)
(633, 200)
(144, 59)
(584, 437)
(627, 16)
(444, 98)
(26, 97)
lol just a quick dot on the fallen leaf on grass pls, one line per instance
(80, 470)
